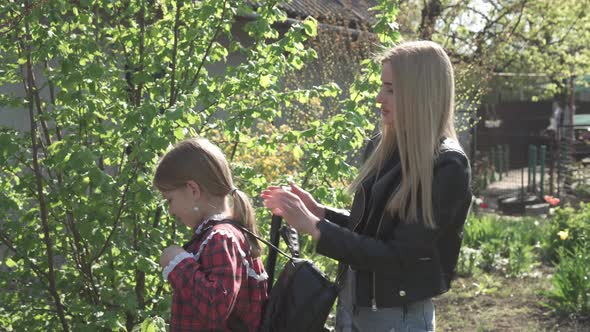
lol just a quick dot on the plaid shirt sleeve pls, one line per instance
(210, 282)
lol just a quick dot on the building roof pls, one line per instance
(343, 11)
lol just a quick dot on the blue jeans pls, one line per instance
(413, 317)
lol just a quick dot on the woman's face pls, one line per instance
(386, 95)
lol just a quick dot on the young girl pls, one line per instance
(400, 243)
(219, 282)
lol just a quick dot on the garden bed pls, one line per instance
(495, 303)
(521, 274)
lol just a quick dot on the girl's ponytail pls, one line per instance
(244, 213)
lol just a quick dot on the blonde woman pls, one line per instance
(400, 243)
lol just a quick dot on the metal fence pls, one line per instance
(553, 169)
(514, 156)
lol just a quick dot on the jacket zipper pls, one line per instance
(374, 301)
(362, 210)
(374, 307)
(354, 229)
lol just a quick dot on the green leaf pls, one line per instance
(297, 152)
(95, 70)
(10, 263)
(310, 25)
(179, 133)
(153, 324)
(146, 264)
(265, 81)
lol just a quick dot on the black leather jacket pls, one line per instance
(400, 262)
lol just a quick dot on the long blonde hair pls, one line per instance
(424, 89)
(199, 160)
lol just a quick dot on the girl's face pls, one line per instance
(386, 95)
(181, 203)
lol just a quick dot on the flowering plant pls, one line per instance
(553, 201)
(480, 203)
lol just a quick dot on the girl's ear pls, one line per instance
(194, 188)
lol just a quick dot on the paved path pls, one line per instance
(510, 183)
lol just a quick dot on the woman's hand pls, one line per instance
(310, 203)
(292, 208)
(169, 253)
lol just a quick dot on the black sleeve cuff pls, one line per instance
(337, 216)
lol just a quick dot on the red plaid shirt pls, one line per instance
(220, 279)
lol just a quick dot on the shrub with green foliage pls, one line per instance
(495, 243)
(509, 245)
(568, 247)
(107, 87)
(479, 229)
(568, 228)
(570, 294)
(468, 260)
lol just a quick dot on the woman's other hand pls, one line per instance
(292, 208)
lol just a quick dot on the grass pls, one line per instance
(491, 302)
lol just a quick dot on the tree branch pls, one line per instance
(179, 4)
(430, 13)
(40, 193)
(119, 214)
(11, 24)
(52, 99)
(8, 243)
(203, 60)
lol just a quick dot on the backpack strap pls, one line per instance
(198, 237)
(245, 230)
(291, 238)
(238, 226)
(339, 277)
(271, 258)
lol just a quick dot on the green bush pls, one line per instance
(151, 324)
(567, 229)
(108, 86)
(491, 255)
(480, 229)
(520, 259)
(468, 260)
(570, 294)
(500, 244)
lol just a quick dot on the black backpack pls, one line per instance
(302, 296)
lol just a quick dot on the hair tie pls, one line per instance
(233, 190)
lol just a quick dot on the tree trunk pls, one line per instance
(430, 13)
